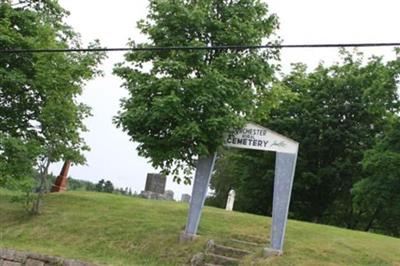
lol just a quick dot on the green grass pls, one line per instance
(116, 230)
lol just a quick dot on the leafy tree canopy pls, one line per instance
(182, 102)
(38, 91)
(339, 112)
(376, 197)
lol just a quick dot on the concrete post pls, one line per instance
(204, 168)
(284, 173)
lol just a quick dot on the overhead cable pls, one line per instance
(196, 48)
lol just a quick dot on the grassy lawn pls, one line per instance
(118, 230)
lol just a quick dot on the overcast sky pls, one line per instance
(114, 157)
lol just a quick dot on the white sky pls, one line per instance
(114, 157)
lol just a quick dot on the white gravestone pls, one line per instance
(185, 198)
(231, 200)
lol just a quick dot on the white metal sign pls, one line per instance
(257, 137)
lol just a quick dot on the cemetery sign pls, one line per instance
(255, 137)
(260, 138)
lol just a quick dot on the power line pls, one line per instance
(196, 48)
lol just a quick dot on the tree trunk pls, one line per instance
(374, 216)
(41, 189)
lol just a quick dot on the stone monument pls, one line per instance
(169, 195)
(155, 186)
(185, 198)
(231, 200)
(61, 182)
(155, 183)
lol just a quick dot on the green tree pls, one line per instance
(181, 107)
(100, 185)
(108, 187)
(76, 184)
(16, 161)
(250, 174)
(336, 115)
(39, 90)
(376, 197)
(90, 186)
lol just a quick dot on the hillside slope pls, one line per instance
(117, 230)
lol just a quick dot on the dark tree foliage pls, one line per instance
(100, 185)
(377, 197)
(104, 186)
(338, 113)
(77, 184)
(108, 187)
(250, 174)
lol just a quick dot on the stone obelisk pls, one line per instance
(61, 182)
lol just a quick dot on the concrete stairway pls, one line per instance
(228, 252)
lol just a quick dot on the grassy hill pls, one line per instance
(117, 230)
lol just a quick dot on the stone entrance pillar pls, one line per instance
(285, 165)
(202, 177)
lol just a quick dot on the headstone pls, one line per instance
(150, 195)
(169, 195)
(185, 198)
(156, 183)
(155, 187)
(231, 200)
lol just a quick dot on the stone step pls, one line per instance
(229, 251)
(197, 259)
(245, 243)
(221, 260)
(262, 240)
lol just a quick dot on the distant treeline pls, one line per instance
(101, 186)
